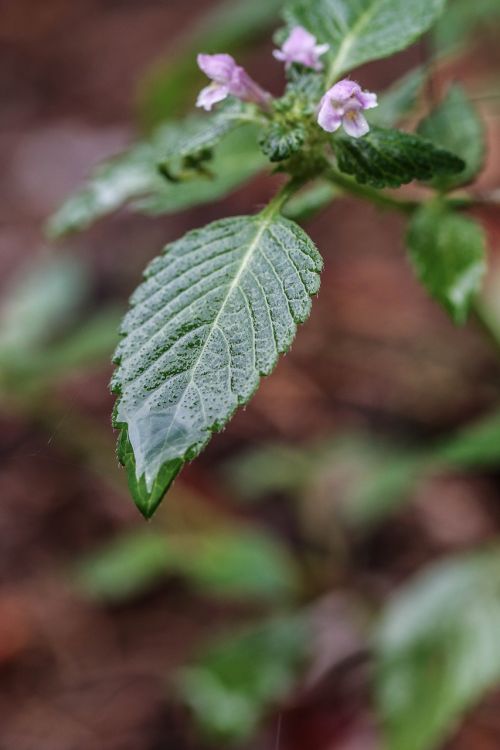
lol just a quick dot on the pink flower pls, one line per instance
(301, 47)
(343, 104)
(228, 79)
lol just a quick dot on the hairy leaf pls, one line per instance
(437, 650)
(448, 254)
(362, 30)
(390, 158)
(455, 126)
(215, 311)
(134, 178)
(279, 141)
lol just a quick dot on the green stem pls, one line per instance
(283, 195)
(367, 193)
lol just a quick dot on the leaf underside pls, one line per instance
(362, 30)
(390, 158)
(213, 314)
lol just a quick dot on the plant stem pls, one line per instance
(371, 194)
(283, 195)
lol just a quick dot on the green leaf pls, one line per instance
(236, 562)
(193, 141)
(437, 650)
(455, 126)
(234, 684)
(40, 305)
(362, 30)
(447, 251)
(134, 178)
(390, 158)
(215, 311)
(398, 100)
(280, 141)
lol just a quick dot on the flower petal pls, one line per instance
(355, 123)
(210, 95)
(367, 99)
(328, 117)
(219, 68)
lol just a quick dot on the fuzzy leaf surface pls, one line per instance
(390, 158)
(212, 316)
(362, 30)
(455, 125)
(447, 251)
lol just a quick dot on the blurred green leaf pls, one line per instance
(390, 158)
(234, 562)
(134, 178)
(448, 254)
(464, 19)
(170, 88)
(398, 100)
(455, 125)
(437, 649)
(40, 305)
(231, 687)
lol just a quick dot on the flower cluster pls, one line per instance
(342, 105)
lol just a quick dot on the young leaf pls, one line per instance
(448, 254)
(455, 126)
(279, 141)
(215, 311)
(437, 650)
(390, 158)
(134, 177)
(362, 30)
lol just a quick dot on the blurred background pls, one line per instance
(327, 573)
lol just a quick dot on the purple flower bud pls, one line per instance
(228, 79)
(343, 104)
(301, 47)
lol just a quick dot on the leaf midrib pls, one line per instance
(264, 224)
(349, 39)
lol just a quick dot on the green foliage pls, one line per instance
(169, 89)
(437, 649)
(462, 20)
(233, 684)
(362, 30)
(398, 101)
(40, 305)
(234, 562)
(134, 178)
(280, 141)
(390, 158)
(455, 126)
(215, 311)
(447, 251)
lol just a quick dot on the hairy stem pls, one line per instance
(383, 200)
